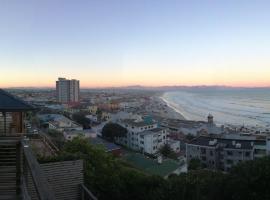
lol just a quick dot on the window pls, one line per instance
(203, 151)
(211, 153)
(229, 153)
(247, 154)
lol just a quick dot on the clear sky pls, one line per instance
(128, 42)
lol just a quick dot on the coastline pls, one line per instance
(170, 110)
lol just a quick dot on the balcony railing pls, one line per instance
(30, 181)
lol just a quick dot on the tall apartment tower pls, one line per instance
(67, 90)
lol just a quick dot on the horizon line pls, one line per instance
(142, 86)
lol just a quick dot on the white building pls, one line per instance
(151, 141)
(67, 90)
(174, 145)
(142, 136)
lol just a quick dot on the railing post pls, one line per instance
(18, 168)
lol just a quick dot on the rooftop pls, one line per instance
(228, 143)
(107, 145)
(133, 122)
(10, 103)
(151, 166)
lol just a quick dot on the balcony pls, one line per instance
(21, 176)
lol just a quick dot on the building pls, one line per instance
(70, 135)
(59, 122)
(174, 145)
(12, 114)
(151, 141)
(223, 153)
(67, 90)
(143, 136)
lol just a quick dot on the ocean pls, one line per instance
(228, 106)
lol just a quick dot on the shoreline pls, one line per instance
(171, 111)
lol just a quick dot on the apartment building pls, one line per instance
(151, 141)
(222, 154)
(67, 90)
(142, 136)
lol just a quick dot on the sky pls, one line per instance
(135, 42)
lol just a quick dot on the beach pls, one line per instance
(237, 107)
(164, 109)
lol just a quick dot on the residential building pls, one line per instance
(151, 141)
(67, 90)
(174, 145)
(70, 135)
(59, 122)
(223, 153)
(142, 136)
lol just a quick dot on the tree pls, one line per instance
(99, 114)
(167, 151)
(110, 178)
(194, 164)
(80, 118)
(190, 137)
(112, 130)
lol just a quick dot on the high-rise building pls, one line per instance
(67, 90)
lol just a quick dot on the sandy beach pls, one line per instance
(165, 110)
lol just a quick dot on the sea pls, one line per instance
(248, 107)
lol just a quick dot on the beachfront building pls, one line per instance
(143, 136)
(223, 153)
(191, 127)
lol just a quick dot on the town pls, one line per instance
(155, 133)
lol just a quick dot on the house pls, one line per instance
(70, 135)
(174, 145)
(59, 122)
(223, 153)
(92, 109)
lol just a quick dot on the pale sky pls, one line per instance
(135, 42)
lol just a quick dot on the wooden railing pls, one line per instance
(31, 181)
(31, 169)
(87, 194)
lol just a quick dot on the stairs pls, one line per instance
(9, 163)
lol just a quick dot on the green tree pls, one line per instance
(80, 118)
(167, 151)
(194, 164)
(112, 130)
(190, 137)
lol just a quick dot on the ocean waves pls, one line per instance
(240, 107)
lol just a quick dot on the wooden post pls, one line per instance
(18, 168)
(5, 122)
